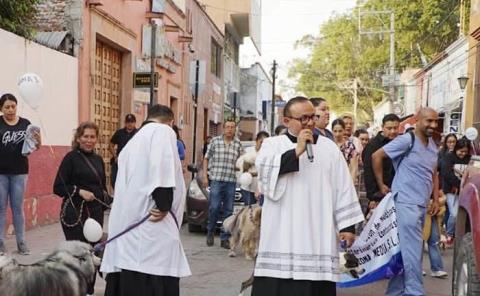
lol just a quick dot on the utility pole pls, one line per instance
(355, 97)
(235, 106)
(195, 106)
(376, 16)
(392, 57)
(274, 74)
(153, 50)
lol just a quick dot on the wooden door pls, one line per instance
(106, 102)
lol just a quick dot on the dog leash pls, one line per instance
(100, 246)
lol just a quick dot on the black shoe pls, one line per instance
(225, 244)
(210, 239)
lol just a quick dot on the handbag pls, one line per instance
(106, 199)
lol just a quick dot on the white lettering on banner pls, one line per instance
(378, 243)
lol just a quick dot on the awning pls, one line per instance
(451, 106)
(51, 39)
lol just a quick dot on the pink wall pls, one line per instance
(41, 206)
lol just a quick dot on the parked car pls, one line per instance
(466, 267)
(196, 210)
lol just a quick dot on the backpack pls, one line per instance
(410, 147)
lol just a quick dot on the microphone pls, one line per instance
(309, 151)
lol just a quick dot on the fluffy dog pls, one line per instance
(245, 230)
(65, 272)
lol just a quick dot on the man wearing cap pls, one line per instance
(120, 139)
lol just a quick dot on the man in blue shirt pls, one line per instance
(415, 179)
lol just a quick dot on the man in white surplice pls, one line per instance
(149, 259)
(309, 207)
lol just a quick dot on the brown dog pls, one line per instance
(245, 230)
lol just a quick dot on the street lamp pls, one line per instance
(462, 81)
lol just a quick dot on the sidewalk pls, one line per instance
(41, 241)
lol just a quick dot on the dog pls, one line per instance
(245, 231)
(66, 271)
(350, 265)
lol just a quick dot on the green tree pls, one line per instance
(17, 16)
(339, 53)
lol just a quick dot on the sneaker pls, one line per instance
(2, 249)
(210, 239)
(23, 249)
(424, 273)
(225, 244)
(439, 274)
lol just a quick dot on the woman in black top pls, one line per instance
(13, 169)
(447, 146)
(81, 182)
(451, 171)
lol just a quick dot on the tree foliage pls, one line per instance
(339, 53)
(17, 16)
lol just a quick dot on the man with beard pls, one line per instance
(414, 181)
(390, 124)
(309, 206)
(323, 110)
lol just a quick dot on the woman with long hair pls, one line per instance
(448, 145)
(81, 182)
(451, 175)
(13, 169)
(346, 146)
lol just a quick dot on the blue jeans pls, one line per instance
(436, 263)
(410, 219)
(248, 197)
(221, 193)
(12, 188)
(452, 203)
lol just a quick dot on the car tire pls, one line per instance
(465, 280)
(193, 228)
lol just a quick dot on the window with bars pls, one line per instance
(215, 58)
(186, 113)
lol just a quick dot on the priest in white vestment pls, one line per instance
(149, 259)
(309, 208)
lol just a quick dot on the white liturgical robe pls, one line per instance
(149, 160)
(304, 211)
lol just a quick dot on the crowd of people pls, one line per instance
(306, 177)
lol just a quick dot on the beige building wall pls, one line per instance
(472, 102)
(221, 11)
(58, 111)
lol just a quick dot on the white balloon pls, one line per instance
(471, 133)
(30, 86)
(245, 179)
(92, 230)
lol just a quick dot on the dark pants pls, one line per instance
(113, 173)
(221, 193)
(76, 232)
(128, 283)
(248, 197)
(287, 287)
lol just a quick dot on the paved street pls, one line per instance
(214, 273)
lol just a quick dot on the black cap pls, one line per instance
(130, 118)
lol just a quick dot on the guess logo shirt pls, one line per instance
(11, 141)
